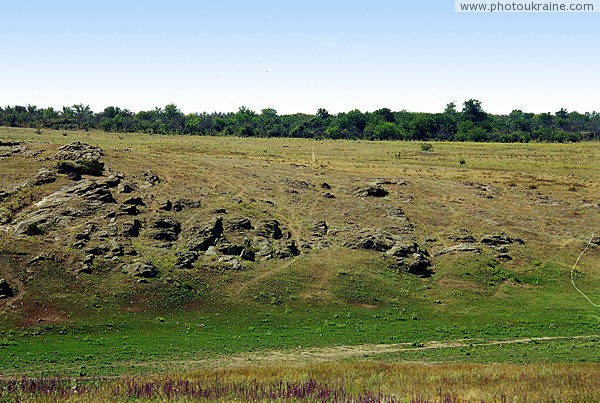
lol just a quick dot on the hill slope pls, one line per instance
(475, 236)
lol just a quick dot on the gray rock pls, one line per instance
(403, 250)
(37, 223)
(126, 187)
(135, 201)
(247, 254)
(127, 210)
(238, 224)
(185, 260)
(177, 206)
(89, 259)
(77, 151)
(298, 184)
(131, 228)
(43, 176)
(112, 180)
(5, 290)
(5, 216)
(286, 249)
(319, 229)
(202, 238)
(369, 239)
(463, 247)
(419, 265)
(141, 268)
(98, 250)
(461, 236)
(231, 263)
(370, 191)
(166, 229)
(269, 229)
(263, 247)
(166, 205)
(229, 249)
(116, 248)
(499, 240)
(4, 195)
(86, 232)
(151, 178)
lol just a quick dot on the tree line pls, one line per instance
(471, 123)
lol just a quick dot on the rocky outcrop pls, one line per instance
(410, 257)
(78, 152)
(462, 235)
(86, 190)
(201, 238)
(166, 229)
(230, 249)
(269, 229)
(42, 177)
(367, 238)
(285, 249)
(131, 228)
(10, 148)
(238, 224)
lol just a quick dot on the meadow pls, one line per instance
(333, 323)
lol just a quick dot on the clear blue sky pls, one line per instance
(294, 56)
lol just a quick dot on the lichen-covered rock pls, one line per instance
(42, 177)
(77, 151)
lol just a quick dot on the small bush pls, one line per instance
(92, 167)
(426, 147)
(462, 161)
(33, 229)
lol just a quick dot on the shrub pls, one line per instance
(426, 147)
(92, 167)
(33, 229)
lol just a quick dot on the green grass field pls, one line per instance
(331, 308)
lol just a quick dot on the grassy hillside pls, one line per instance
(500, 226)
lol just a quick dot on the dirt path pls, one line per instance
(323, 354)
